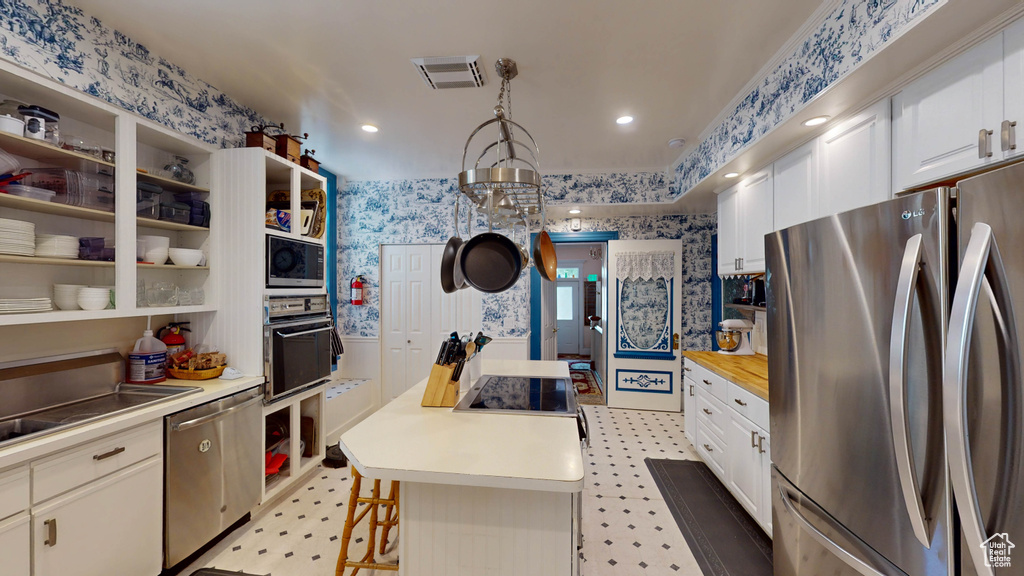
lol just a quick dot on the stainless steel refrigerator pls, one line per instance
(896, 385)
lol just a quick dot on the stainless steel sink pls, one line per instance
(55, 394)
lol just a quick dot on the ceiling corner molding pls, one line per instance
(839, 37)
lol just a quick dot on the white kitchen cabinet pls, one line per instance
(312, 405)
(689, 404)
(854, 166)
(1013, 82)
(745, 215)
(138, 144)
(764, 448)
(796, 186)
(114, 523)
(744, 472)
(948, 121)
(15, 542)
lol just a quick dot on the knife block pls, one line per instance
(441, 391)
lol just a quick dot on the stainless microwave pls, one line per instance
(294, 263)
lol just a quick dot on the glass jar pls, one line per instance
(179, 171)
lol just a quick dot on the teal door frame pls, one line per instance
(535, 280)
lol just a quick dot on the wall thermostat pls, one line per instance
(575, 225)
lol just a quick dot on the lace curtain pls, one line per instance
(645, 265)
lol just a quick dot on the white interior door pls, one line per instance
(644, 319)
(459, 311)
(567, 313)
(406, 303)
(548, 328)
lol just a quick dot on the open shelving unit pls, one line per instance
(138, 144)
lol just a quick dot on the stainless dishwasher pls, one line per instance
(213, 470)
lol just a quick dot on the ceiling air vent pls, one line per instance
(451, 71)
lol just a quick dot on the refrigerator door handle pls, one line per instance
(849, 559)
(897, 390)
(981, 258)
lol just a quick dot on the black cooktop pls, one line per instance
(521, 394)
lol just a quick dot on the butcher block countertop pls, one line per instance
(749, 372)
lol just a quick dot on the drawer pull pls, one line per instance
(706, 411)
(51, 532)
(691, 389)
(708, 448)
(106, 455)
(687, 369)
(740, 402)
(753, 434)
(760, 444)
(707, 382)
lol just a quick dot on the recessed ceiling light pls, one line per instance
(574, 211)
(676, 143)
(816, 121)
(732, 174)
(370, 128)
(623, 119)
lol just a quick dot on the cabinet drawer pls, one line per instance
(711, 414)
(711, 451)
(14, 493)
(58, 474)
(15, 544)
(753, 407)
(711, 382)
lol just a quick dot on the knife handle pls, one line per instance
(443, 353)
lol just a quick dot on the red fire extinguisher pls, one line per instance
(357, 291)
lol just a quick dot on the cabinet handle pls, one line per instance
(51, 532)
(760, 444)
(736, 264)
(691, 389)
(687, 369)
(753, 434)
(706, 411)
(741, 263)
(740, 402)
(106, 455)
(706, 382)
(1008, 135)
(708, 448)
(984, 143)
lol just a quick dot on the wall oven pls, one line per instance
(296, 343)
(294, 263)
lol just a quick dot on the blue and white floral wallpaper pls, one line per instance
(60, 41)
(420, 211)
(853, 32)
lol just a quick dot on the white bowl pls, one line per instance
(67, 303)
(157, 256)
(93, 303)
(152, 242)
(185, 256)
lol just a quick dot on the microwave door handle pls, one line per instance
(899, 342)
(981, 259)
(304, 332)
(849, 559)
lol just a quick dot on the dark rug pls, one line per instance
(724, 539)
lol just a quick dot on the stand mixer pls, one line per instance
(734, 337)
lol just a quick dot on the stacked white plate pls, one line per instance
(56, 246)
(93, 298)
(17, 237)
(65, 296)
(20, 305)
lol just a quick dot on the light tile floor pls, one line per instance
(627, 526)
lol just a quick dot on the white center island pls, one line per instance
(481, 493)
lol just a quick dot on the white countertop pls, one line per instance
(405, 441)
(211, 390)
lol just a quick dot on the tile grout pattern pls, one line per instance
(627, 526)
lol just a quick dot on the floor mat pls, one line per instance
(587, 386)
(724, 539)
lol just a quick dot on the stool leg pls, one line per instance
(346, 534)
(372, 538)
(391, 510)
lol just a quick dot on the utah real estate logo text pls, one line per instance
(997, 550)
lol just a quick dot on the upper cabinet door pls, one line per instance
(1013, 78)
(728, 231)
(757, 210)
(854, 163)
(948, 121)
(796, 186)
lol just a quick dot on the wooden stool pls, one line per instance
(390, 519)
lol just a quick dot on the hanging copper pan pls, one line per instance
(544, 256)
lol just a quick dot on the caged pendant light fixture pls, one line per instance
(504, 181)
